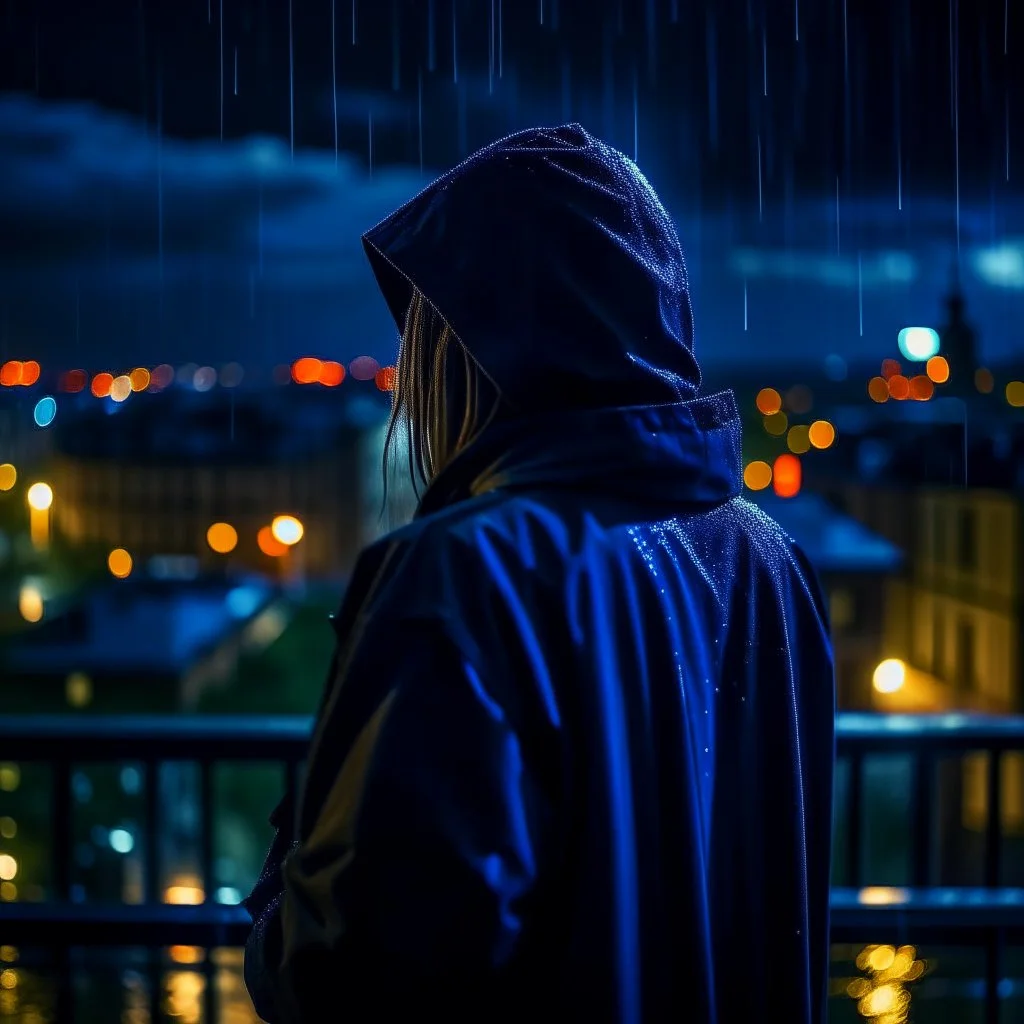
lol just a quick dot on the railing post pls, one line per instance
(855, 815)
(151, 849)
(921, 815)
(994, 821)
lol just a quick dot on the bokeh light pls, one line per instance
(139, 378)
(821, 434)
(231, 375)
(100, 386)
(889, 676)
(161, 377)
(30, 603)
(120, 388)
(984, 381)
(306, 370)
(222, 538)
(1015, 393)
(918, 344)
(30, 371)
(385, 378)
(758, 475)
(899, 387)
(363, 368)
(45, 411)
(768, 401)
(937, 369)
(890, 367)
(921, 388)
(40, 496)
(878, 389)
(8, 476)
(10, 373)
(798, 439)
(119, 562)
(74, 381)
(799, 399)
(776, 424)
(269, 544)
(787, 476)
(331, 373)
(204, 378)
(287, 530)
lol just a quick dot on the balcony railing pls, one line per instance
(988, 916)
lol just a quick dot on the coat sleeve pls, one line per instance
(411, 879)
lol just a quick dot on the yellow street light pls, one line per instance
(889, 676)
(40, 497)
(287, 530)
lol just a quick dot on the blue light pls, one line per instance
(44, 412)
(918, 344)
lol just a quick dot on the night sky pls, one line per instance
(188, 179)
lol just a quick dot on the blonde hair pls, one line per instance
(441, 401)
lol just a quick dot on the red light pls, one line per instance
(10, 373)
(29, 373)
(787, 476)
(101, 384)
(306, 370)
(331, 374)
(74, 381)
(385, 378)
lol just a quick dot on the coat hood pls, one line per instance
(554, 262)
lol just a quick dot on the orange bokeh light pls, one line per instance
(921, 388)
(899, 387)
(29, 373)
(384, 378)
(331, 373)
(878, 389)
(787, 476)
(768, 401)
(100, 386)
(269, 544)
(139, 378)
(937, 369)
(307, 370)
(10, 373)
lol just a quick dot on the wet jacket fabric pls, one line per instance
(574, 757)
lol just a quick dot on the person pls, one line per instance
(574, 758)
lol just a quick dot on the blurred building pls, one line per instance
(141, 644)
(154, 474)
(854, 565)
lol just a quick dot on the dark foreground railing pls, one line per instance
(987, 918)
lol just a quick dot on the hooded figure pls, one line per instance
(574, 758)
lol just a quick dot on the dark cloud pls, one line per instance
(118, 246)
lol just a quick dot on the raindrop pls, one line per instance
(291, 81)
(334, 81)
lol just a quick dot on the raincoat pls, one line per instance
(574, 758)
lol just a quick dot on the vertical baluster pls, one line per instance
(921, 817)
(61, 852)
(854, 824)
(994, 942)
(206, 866)
(994, 822)
(151, 879)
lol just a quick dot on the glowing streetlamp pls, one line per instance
(40, 499)
(889, 676)
(287, 530)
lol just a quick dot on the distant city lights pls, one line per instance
(222, 538)
(39, 497)
(30, 603)
(120, 563)
(937, 369)
(269, 544)
(287, 530)
(120, 388)
(787, 476)
(889, 676)
(918, 344)
(45, 411)
(768, 401)
(758, 475)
